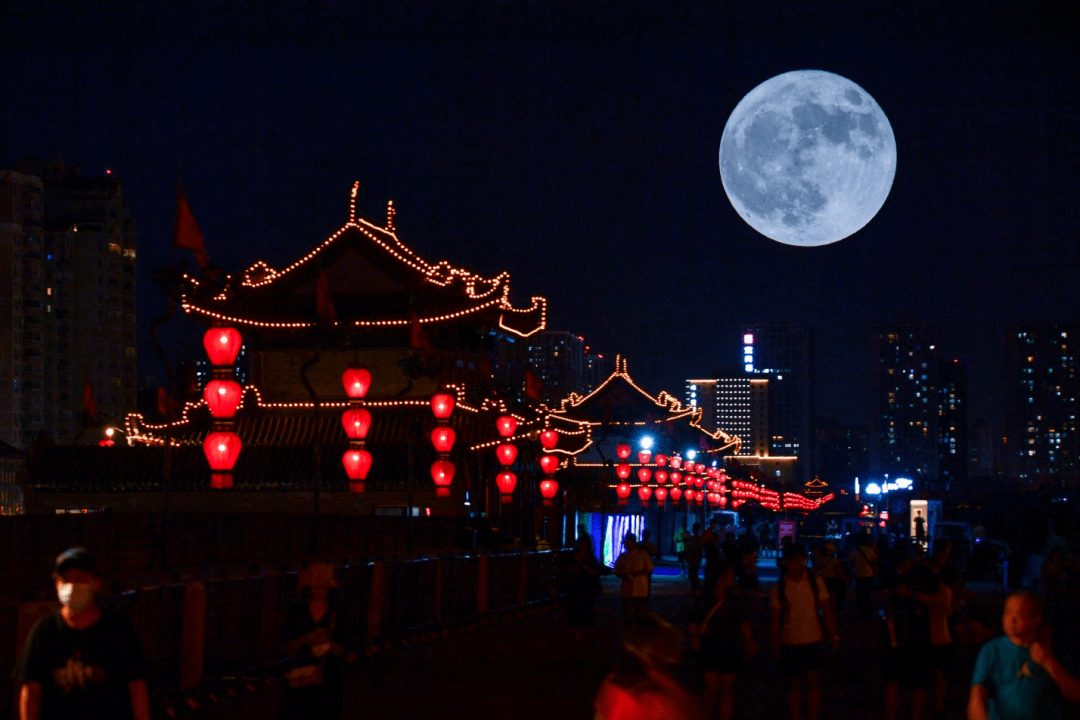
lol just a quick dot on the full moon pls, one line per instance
(807, 158)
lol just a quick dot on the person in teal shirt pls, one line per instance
(1017, 676)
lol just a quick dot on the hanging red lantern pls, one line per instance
(356, 380)
(644, 456)
(699, 496)
(675, 476)
(507, 453)
(443, 438)
(643, 475)
(506, 481)
(222, 449)
(698, 481)
(661, 460)
(506, 425)
(222, 345)
(676, 462)
(661, 476)
(699, 468)
(622, 470)
(661, 496)
(623, 491)
(548, 488)
(623, 451)
(223, 397)
(710, 485)
(723, 501)
(676, 494)
(356, 422)
(442, 404)
(549, 439)
(357, 464)
(549, 464)
(644, 492)
(442, 473)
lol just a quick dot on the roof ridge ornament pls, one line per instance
(352, 202)
(390, 213)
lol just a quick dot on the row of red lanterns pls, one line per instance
(223, 396)
(356, 421)
(694, 474)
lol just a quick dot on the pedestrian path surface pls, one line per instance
(532, 667)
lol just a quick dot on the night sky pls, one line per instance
(574, 144)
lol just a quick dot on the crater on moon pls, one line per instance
(807, 158)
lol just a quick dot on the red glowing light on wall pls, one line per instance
(622, 470)
(623, 491)
(661, 476)
(549, 464)
(548, 488)
(506, 425)
(507, 453)
(506, 481)
(643, 474)
(223, 397)
(623, 451)
(356, 380)
(356, 422)
(357, 464)
(644, 456)
(442, 473)
(644, 492)
(443, 439)
(661, 460)
(549, 439)
(442, 404)
(222, 345)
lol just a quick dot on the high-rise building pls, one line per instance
(783, 354)
(919, 414)
(738, 406)
(841, 452)
(1042, 431)
(985, 458)
(67, 316)
(556, 359)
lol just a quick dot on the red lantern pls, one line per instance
(222, 345)
(357, 381)
(357, 464)
(710, 485)
(661, 496)
(549, 464)
(643, 475)
(661, 476)
(548, 488)
(676, 462)
(699, 496)
(698, 481)
(623, 451)
(644, 456)
(623, 491)
(676, 477)
(442, 473)
(723, 501)
(443, 439)
(699, 468)
(222, 449)
(644, 492)
(356, 422)
(507, 453)
(506, 481)
(622, 470)
(661, 460)
(549, 439)
(506, 425)
(676, 494)
(223, 397)
(442, 404)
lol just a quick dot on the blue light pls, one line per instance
(646, 442)
(691, 454)
(903, 483)
(873, 489)
(49, 256)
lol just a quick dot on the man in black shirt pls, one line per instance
(81, 661)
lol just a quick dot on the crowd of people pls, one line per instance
(915, 599)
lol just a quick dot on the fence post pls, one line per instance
(375, 601)
(482, 584)
(523, 580)
(193, 635)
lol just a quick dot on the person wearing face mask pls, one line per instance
(81, 661)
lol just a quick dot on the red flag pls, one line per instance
(186, 233)
(164, 402)
(89, 406)
(324, 305)
(533, 387)
(418, 338)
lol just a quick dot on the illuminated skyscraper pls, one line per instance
(1042, 431)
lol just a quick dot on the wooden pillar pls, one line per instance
(375, 600)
